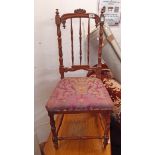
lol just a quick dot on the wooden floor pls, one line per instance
(76, 125)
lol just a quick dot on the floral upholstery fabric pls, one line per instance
(79, 93)
(114, 89)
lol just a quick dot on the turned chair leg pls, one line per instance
(106, 116)
(53, 129)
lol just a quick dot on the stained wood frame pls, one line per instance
(80, 13)
(61, 20)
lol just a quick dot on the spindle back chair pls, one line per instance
(80, 14)
(79, 94)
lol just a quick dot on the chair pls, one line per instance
(79, 94)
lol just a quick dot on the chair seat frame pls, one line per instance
(101, 114)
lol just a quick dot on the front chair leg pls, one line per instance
(53, 129)
(106, 115)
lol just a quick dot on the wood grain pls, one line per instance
(79, 125)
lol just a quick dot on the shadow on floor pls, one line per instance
(115, 133)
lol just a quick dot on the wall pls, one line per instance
(46, 54)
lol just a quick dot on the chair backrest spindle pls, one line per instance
(80, 39)
(72, 43)
(88, 41)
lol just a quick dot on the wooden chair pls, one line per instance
(79, 94)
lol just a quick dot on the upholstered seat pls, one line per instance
(79, 93)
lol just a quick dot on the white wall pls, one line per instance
(46, 54)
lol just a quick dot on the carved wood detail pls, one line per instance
(79, 11)
(101, 31)
(63, 23)
(58, 22)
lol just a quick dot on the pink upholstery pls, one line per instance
(79, 93)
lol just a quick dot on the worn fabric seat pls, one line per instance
(79, 94)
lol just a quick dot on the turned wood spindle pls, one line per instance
(72, 43)
(80, 39)
(88, 40)
(101, 35)
(106, 115)
(53, 129)
(98, 71)
(58, 22)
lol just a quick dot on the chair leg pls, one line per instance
(53, 129)
(106, 115)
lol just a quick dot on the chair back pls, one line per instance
(80, 13)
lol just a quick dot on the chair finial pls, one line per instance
(57, 11)
(103, 10)
(102, 17)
